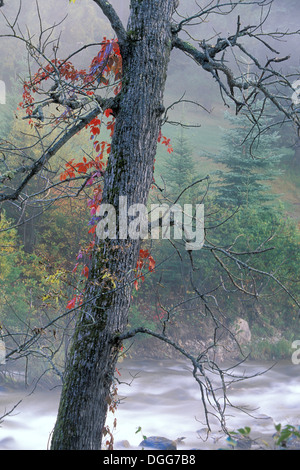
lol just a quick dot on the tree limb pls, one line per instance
(208, 61)
(65, 136)
(114, 20)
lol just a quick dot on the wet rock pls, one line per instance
(160, 443)
(123, 444)
(8, 443)
(244, 444)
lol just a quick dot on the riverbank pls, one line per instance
(236, 343)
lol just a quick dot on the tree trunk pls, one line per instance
(91, 364)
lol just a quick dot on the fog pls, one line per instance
(163, 400)
(156, 390)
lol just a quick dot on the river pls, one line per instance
(163, 399)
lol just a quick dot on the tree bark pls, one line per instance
(92, 360)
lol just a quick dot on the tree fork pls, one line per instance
(93, 356)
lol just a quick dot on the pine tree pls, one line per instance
(181, 172)
(251, 159)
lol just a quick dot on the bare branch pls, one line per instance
(249, 268)
(264, 83)
(114, 20)
(63, 138)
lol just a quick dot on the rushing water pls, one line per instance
(163, 399)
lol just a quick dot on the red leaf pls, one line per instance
(144, 254)
(108, 112)
(151, 263)
(92, 230)
(95, 122)
(71, 303)
(95, 130)
(75, 268)
(85, 272)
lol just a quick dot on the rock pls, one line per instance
(2, 352)
(242, 331)
(244, 444)
(123, 444)
(7, 443)
(293, 443)
(160, 443)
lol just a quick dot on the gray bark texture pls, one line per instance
(92, 360)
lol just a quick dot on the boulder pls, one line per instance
(160, 443)
(242, 331)
(2, 352)
(7, 443)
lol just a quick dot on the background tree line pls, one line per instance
(242, 209)
(243, 224)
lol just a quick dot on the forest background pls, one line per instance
(251, 197)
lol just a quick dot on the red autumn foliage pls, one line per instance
(105, 67)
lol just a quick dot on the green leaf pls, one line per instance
(244, 431)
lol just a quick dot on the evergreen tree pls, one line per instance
(180, 166)
(251, 159)
(182, 173)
